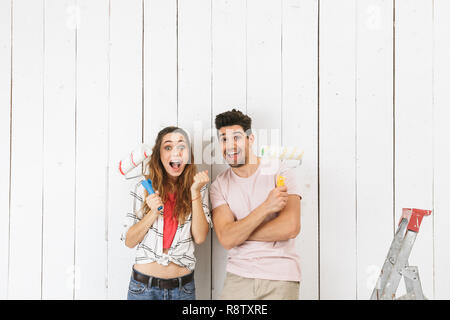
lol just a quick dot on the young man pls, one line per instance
(253, 219)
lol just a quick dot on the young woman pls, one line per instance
(165, 261)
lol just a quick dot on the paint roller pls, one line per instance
(283, 153)
(133, 160)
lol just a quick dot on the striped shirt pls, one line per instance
(150, 249)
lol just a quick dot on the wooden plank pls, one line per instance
(337, 150)
(374, 140)
(125, 132)
(160, 67)
(194, 106)
(26, 175)
(264, 67)
(92, 150)
(228, 91)
(441, 154)
(413, 127)
(59, 152)
(299, 125)
(5, 135)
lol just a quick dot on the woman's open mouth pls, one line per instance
(175, 164)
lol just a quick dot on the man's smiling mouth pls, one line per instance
(232, 154)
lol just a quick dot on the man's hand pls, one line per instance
(277, 199)
(284, 227)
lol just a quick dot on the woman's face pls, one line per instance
(174, 153)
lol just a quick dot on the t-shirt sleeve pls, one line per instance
(216, 196)
(291, 182)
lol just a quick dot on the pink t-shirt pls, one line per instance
(257, 259)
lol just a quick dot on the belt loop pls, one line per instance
(180, 283)
(149, 284)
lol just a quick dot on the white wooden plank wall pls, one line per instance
(92, 137)
(441, 154)
(26, 205)
(374, 142)
(125, 129)
(5, 125)
(59, 150)
(414, 124)
(361, 86)
(337, 149)
(299, 124)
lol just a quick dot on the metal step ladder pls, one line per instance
(396, 264)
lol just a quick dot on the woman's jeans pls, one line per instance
(139, 291)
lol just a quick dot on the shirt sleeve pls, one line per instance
(205, 204)
(216, 195)
(291, 182)
(132, 217)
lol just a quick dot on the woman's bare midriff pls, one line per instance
(157, 270)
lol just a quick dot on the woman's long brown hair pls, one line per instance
(161, 182)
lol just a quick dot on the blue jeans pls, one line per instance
(139, 291)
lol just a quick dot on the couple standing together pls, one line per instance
(255, 220)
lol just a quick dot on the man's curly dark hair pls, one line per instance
(234, 117)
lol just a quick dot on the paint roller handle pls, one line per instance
(148, 186)
(280, 180)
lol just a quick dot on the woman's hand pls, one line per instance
(154, 201)
(200, 180)
(199, 226)
(138, 231)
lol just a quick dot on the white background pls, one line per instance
(361, 85)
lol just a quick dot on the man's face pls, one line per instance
(235, 145)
